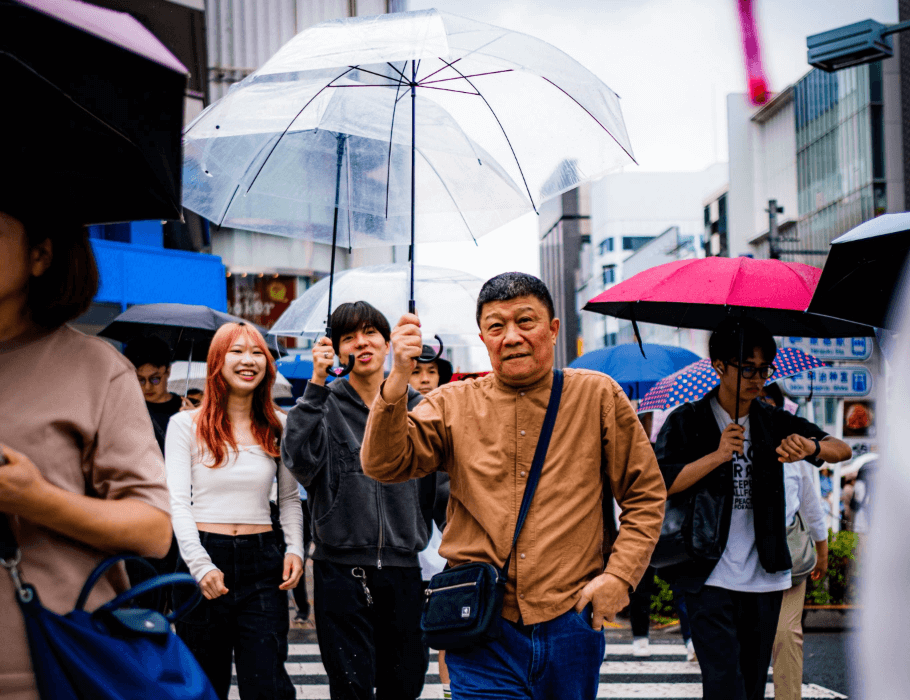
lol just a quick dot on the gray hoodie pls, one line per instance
(355, 519)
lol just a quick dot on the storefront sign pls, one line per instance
(260, 299)
(832, 348)
(842, 380)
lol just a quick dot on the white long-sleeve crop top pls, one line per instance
(237, 492)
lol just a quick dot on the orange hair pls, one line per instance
(213, 427)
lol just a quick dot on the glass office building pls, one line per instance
(840, 155)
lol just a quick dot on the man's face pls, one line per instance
(749, 388)
(369, 349)
(520, 337)
(425, 377)
(153, 381)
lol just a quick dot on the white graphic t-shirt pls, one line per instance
(739, 568)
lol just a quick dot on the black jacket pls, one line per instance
(689, 434)
(355, 519)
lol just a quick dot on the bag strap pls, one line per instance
(540, 454)
(8, 544)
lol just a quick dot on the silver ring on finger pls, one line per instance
(325, 355)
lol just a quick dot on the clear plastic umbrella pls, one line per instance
(499, 121)
(446, 299)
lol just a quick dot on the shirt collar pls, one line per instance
(544, 383)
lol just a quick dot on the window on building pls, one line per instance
(634, 242)
(610, 339)
(609, 274)
(605, 246)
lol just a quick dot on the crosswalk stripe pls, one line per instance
(308, 673)
(616, 691)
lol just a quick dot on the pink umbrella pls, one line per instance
(701, 293)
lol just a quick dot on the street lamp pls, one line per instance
(864, 42)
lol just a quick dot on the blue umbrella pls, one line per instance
(634, 373)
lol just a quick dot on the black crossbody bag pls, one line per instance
(464, 603)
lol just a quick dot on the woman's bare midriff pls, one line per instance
(233, 529)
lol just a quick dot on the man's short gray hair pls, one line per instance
(511, 285)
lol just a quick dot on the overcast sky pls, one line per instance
(671, 61)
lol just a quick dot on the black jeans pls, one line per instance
(250, 620)
(733, 634)
(364, 645)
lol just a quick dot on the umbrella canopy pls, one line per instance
(701, 293)
(694, 381)
(95, 132)
(498, 121)
(187, 328)
(863, 270)
(446, 301)
(633, 372)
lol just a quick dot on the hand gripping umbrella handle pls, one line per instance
(344, 370)
(438, 354)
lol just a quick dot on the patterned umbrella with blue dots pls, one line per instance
(694, 381)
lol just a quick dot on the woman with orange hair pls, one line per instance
(222, 459)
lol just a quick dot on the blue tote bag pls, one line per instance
(114, 653)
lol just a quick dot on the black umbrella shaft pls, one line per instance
(411, 302)
(328, 320)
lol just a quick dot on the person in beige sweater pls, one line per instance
(83, 477)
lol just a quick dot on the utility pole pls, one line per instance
(773, 239)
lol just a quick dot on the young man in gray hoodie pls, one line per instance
(368, 591)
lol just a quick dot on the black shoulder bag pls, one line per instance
(463, 604)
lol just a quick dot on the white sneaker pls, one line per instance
(640, 647)
(690, 651)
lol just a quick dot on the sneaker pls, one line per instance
(690, 651)
(640, 647)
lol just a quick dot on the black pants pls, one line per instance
(300, 594)
(137, 572)
(733, 634)
(365, 646)
(250, 620)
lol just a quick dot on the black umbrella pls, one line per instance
(863, 269)
(188, 329)
(93, 114)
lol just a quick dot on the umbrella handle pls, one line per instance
(346, 369)
(438, 354)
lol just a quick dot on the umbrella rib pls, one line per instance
(592, 117)
(451, 196)
(378, 75)
(392, 66)
(288, 128)
(463, 92)
(474, 75)
(388, 174)
(505, 135)
(447, 65)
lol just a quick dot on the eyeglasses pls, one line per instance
(154, 381)
(749, 371)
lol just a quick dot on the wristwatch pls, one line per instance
(818, 447)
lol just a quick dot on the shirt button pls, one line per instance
(522, 432)
(524, 473)
(522, 555)
(521, 595)
(521, 393)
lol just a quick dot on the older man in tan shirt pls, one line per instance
(483, 434)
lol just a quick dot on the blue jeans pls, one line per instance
(555, 660)
(250, 621)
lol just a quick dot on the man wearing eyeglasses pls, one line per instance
(723, 457)
(152, 358)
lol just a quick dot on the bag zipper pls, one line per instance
(431, 591)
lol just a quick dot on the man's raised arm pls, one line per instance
(397, 447)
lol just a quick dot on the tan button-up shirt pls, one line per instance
(484, 434)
